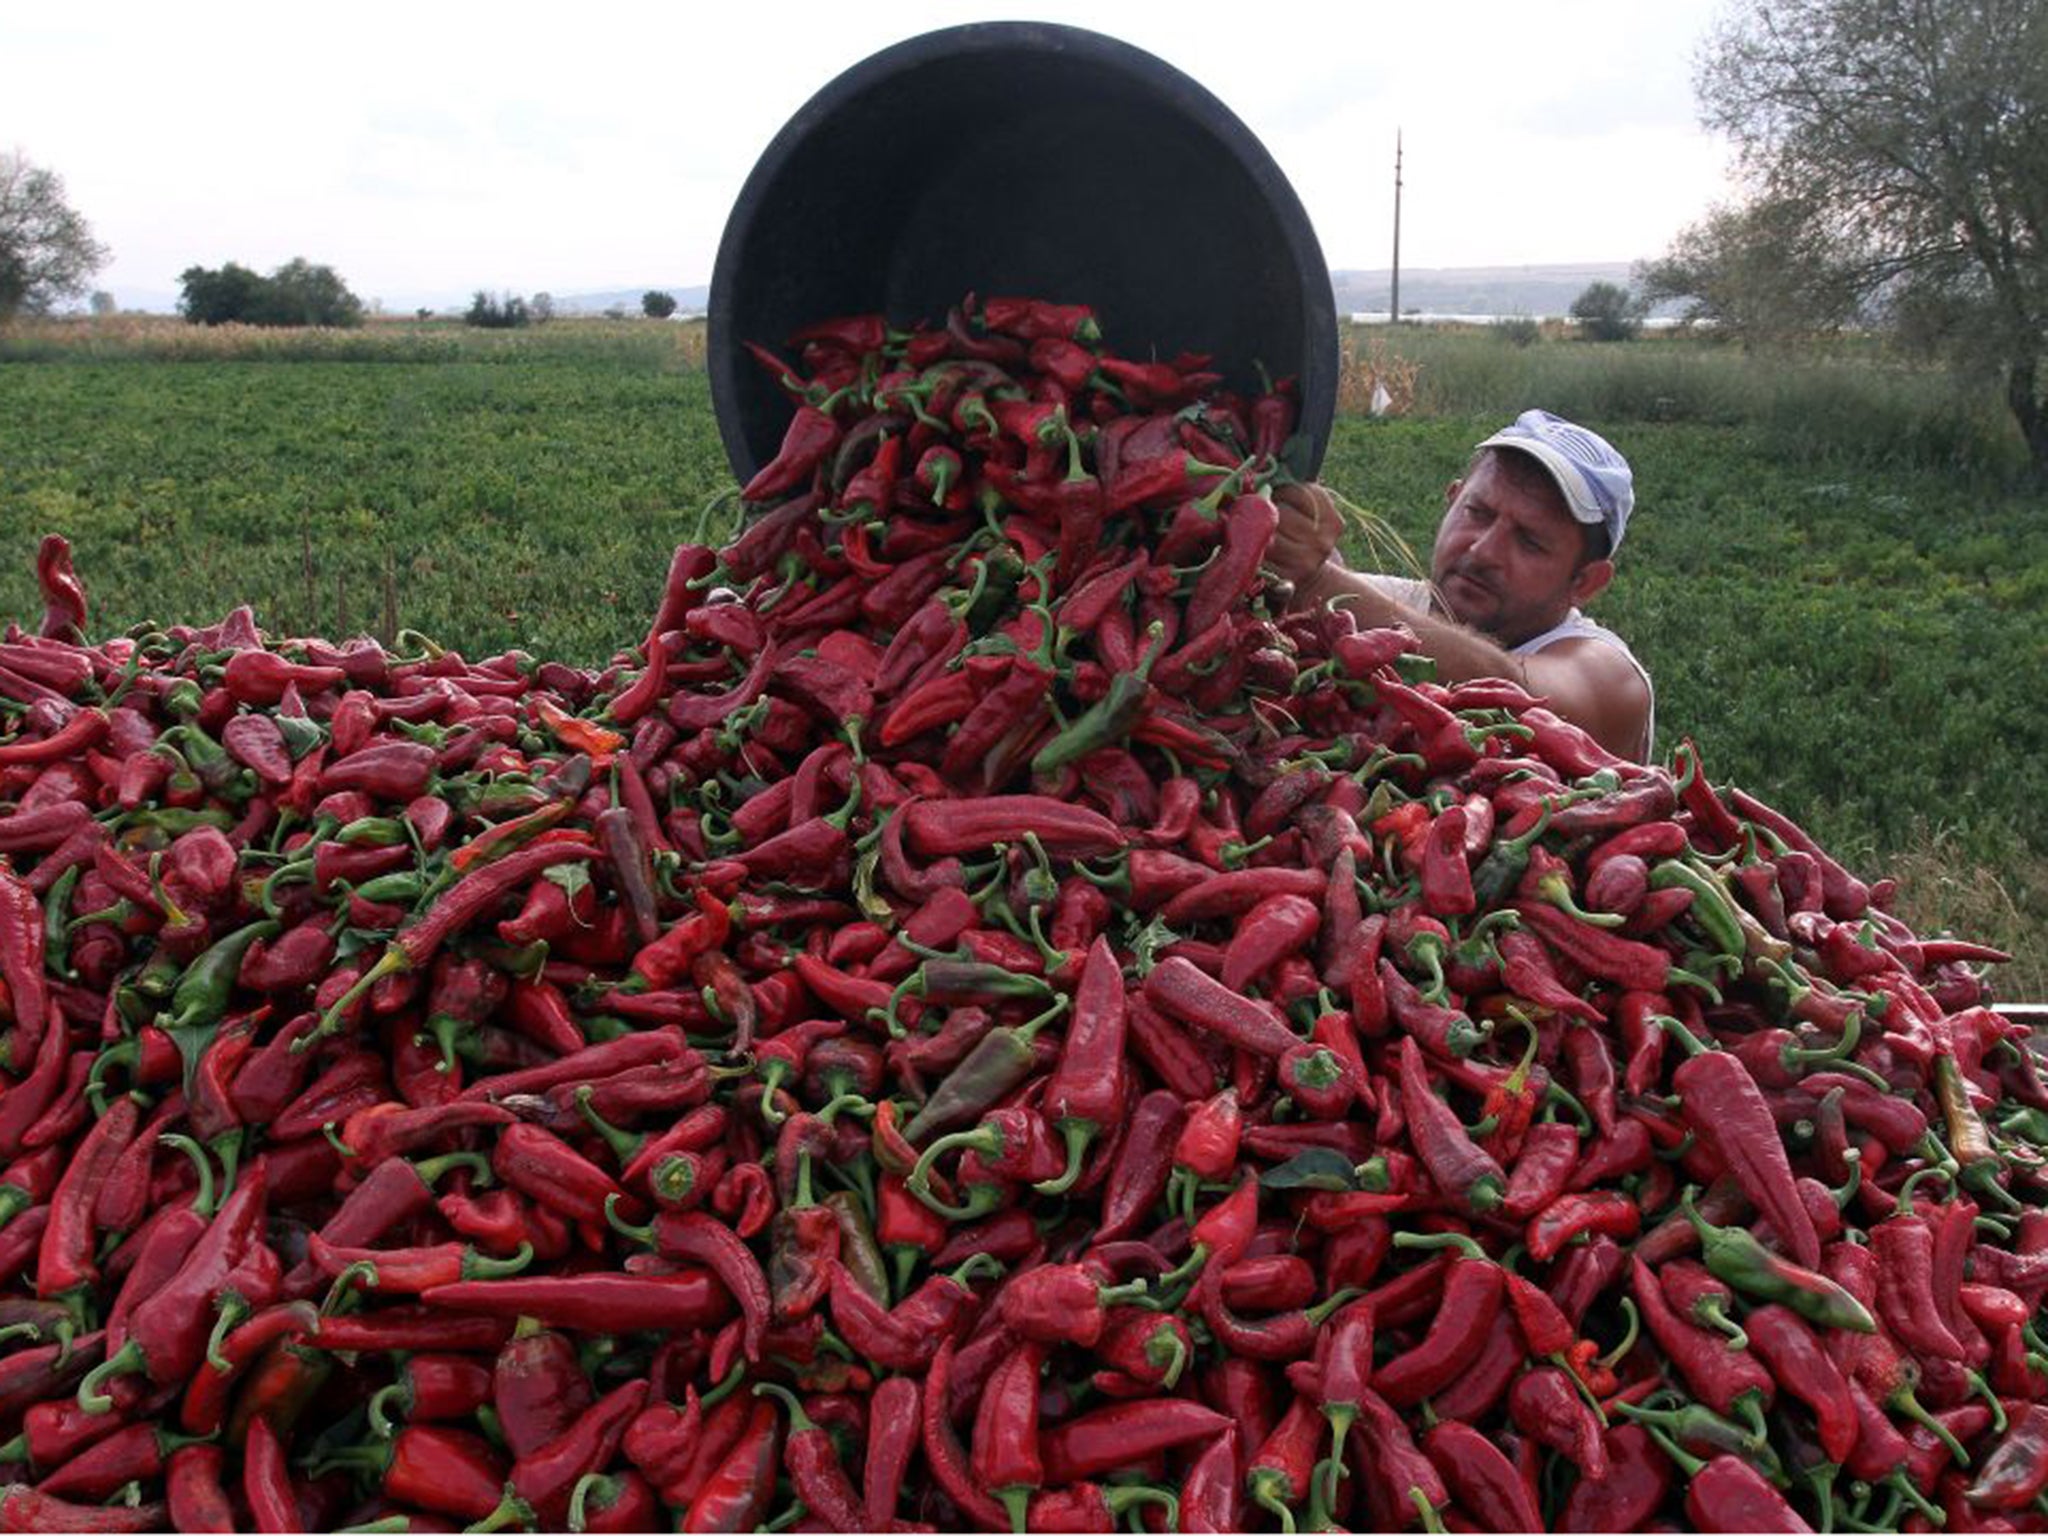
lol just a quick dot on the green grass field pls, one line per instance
(1832, 577)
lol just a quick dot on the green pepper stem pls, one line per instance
(799, 1421)
(1466, 1247)
(233, 1309)
(1628, 1339)
(125, 1361)
(1077, 1135)
(1692, 1043)
(625, 1145)
(380, 1420)
(202, 1202)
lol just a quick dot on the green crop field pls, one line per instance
(1833, 575)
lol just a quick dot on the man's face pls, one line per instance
(1507, 557)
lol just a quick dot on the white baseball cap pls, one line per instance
(1597, 484)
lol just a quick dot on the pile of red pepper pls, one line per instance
(980, 1021)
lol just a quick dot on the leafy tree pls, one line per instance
(103, 303)
(47, 252)
(1910, 140)
(543, 307)
(1758, 272)
(657, 305)
(297, 293)
(219, 296)
(497, 314)
(1609, 312)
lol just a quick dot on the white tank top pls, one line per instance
(1574, 626)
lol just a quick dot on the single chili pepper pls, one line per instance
(943, 1455)
(1545, 1405)
(2016, 1472)
(1086, 1094)
(192, 1485)
(65, 1261)
(1549, 1155)
(1788, 1346)
(1903, 1247)
(1465, 1172)
(1405, 1478)
(597, 1302)
(702, 1239)
(1280, 1471)
(1738, 1258)
(892, 1440)
(1005, 1458)
(27, 1509)
(1138, 1173)
(1727, 1111)
(1061, 1304)
(1481, 1478)
(1123, 1434)
(1637, 1482)
(1472, 1294)
(267, 1480)
(434, 1467)
(1179, 988)
(537, 1388)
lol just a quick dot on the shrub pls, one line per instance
(1608, 312)
(497, 314)
(1518, 330)
(296, 294)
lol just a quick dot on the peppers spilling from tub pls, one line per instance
(980, 1020)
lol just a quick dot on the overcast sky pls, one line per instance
(425, 150)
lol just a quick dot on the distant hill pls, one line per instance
(688, 300)
(1536, 291)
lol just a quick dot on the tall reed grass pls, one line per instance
(158, 338)
(1851, 402)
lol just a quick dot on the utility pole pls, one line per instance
(1395, 306)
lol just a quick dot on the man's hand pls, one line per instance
(1310, 526)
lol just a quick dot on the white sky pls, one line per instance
(426, 150)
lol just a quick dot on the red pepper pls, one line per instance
(1123, 1434)
(1005, 1458)
(1472, 1294)
(599, 1302)
(1464, 1171)
(1481, 1478)
(1086, 1093)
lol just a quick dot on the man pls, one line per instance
(1527, 540)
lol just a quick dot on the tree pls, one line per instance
(297, 293)
(497, 314)
(103, 303)
(1911, 138)
(47, 252)
(219, 296)
(543, 306)
(1609, 312)
(657, 305)
(1758, 272)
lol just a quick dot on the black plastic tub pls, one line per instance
(1021, 158)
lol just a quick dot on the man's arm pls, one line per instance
(1586, 682)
